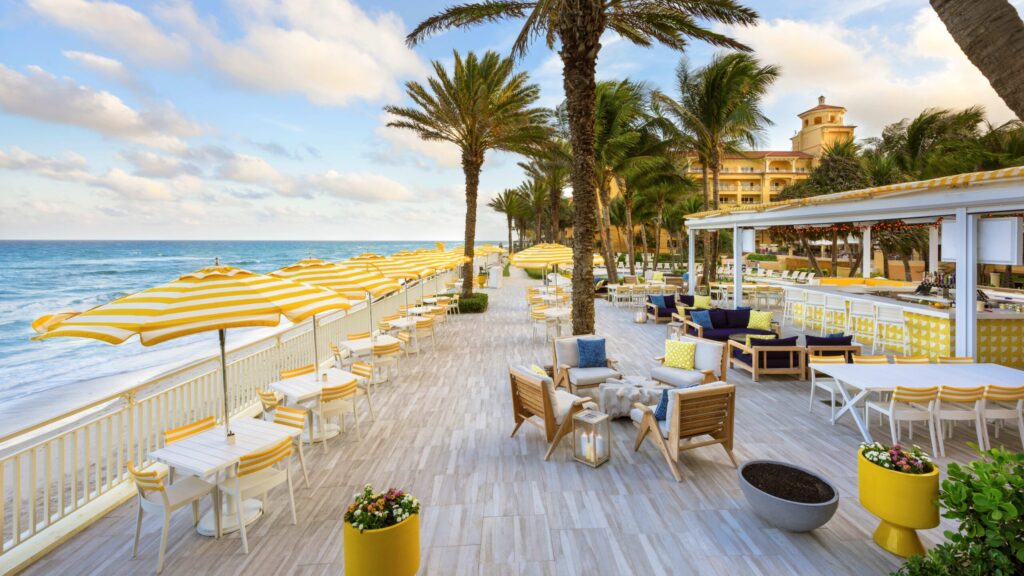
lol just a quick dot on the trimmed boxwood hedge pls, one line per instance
(475, 303)
(535, 273)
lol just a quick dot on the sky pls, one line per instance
(263, 119)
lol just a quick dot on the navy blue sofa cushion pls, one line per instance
(685, 300)
(722, 334)
(738, 318)
(719, 319)
(771, 359)
(829, 341)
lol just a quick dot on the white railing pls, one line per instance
(63, 474)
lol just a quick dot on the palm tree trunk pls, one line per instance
(511, 250)
(604, 189)
(907, 276)
(630, 248)
(657, 233)
(554, 205)
(471, 164)
(707, 187)
(834, 272)
(811, 259)
(885, 261)
(855, 265)
(991, 34)
(579, 25)
(647, 249)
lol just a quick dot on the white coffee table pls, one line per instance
(617, 396)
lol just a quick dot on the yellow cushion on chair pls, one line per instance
(759, 337)
(538, 370)
(760, 320)
(680, 354)
(702, 302)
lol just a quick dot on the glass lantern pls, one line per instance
(591, 437)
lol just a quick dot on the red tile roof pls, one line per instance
(821, 107)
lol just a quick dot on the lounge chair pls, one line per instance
(769, 356)
(535, 400)
(695, 412)
(569, 374)
(709, 365)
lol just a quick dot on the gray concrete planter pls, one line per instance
(788, 514)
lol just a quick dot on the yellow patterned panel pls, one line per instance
(929, 335)
(1001, 342)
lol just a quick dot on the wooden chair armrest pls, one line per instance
(775, 348)
(613, 363)
(709, 375)
(651, 306)
(695, 326)
(581, 401)
(739, 346)
(677, 318)
(660, 359)
(776, 328)
(643, 408)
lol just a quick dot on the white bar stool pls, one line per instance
(814, 306)
(834, 317)
(890, 319)
(791, 298)
(860, 322)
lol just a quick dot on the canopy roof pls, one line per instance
(979, 192)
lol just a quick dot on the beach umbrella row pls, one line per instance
(213, 298)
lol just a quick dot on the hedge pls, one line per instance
(762, 257)
(477, 302)
(535, 273)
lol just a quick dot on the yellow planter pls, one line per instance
(391, 551)
(481, 281)
(903, 502)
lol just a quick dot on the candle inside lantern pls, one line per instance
(591, 448)
(584, 450)
(600, 447)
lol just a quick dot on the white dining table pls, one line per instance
(557, 314)
(868, 378)
(417, 310)
(363, 346)
(208, 454)
(305, 390)
(405, 322)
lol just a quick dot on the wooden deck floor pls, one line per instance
(491, 505)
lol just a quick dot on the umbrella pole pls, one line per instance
(316, 351)
(224, 382)
(369, 305)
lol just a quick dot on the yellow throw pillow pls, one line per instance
(680, 354)
(759, 337)
(760, 320)
(702, 302)
(538, 370)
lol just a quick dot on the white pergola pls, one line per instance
(961, 199)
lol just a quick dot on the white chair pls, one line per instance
(154, 495)
(834, 316)
(792, 299)
(959, 404)
(890, 320)
(255, 475)
(860, 322)
(1004, 404)
(826, 383)
(905, 405)
(364, 373)
(814, 309)
(296, 418)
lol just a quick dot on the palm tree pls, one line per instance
(482, 105)
(550, 165)
(991, 34)
(937, 142)
(577, 26)
(534, 197)
(506, 203)
(661, 188)
(718, 112)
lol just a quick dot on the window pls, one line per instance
(817, 119)
(807, 122)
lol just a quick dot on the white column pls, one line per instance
(966, 281)
(865, 246)
(737, 266)
(933, 249)
(691, 252)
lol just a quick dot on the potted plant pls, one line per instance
(382, 534)
(901, 487)
(787, 496)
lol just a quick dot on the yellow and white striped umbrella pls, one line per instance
(214, 298)
(352, 282)
(545, 255)
(391, 268)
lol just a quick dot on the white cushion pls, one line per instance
(567, 352)
(678, 377)
(591, 376)
(708, 355)
(637, 415)
(563, 401)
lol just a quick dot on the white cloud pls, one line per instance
(401, 142)
(878, 80)
(43, 96)
(117, 26)
(330, 53)
(359, 186)
(106, 67)
(152, 165)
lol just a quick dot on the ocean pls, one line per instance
(39, 277)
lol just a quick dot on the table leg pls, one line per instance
(850, 405)
(252, 510)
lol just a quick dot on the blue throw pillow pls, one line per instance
(702, 317)
(661, 412)
(658, 301)
(592, 353)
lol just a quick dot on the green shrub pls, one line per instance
(987, 498)
(535, 273)
(505, 271)
(477, 302)
(762, 257)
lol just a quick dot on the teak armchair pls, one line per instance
(707, 410)
(760, 363)
(535, 400)
(569, 375)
